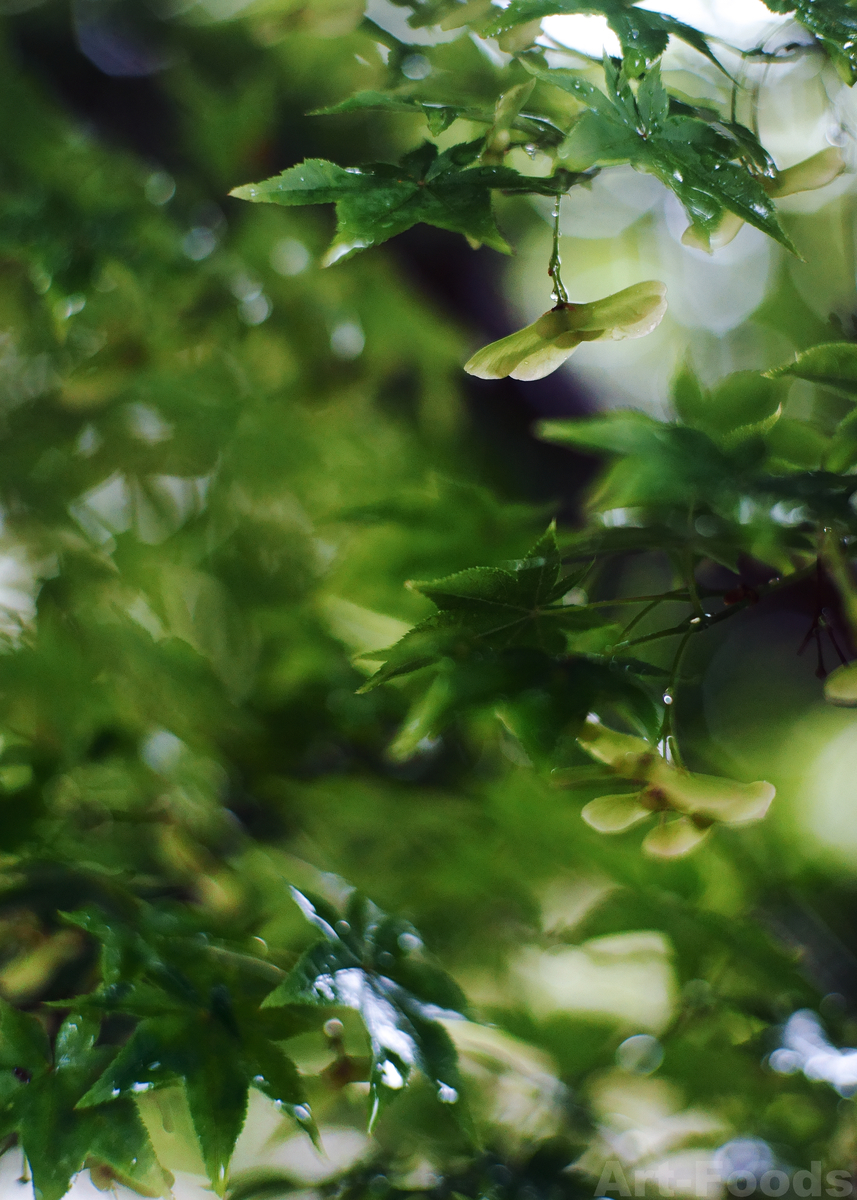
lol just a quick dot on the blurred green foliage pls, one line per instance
(220, 465)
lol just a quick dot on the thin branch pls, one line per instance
(644, 612)
(679, 594)
(698, 624)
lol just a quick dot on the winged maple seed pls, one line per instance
(840, 686)
(540, 348)
(698, 802)
(807, 176)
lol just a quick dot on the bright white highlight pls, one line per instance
(744, 23)
(806, 1048)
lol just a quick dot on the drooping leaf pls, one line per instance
(374, 203)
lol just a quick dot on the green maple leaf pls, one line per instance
(199, 1023)
(506, 606)
(40, 1090)
(694, 157)
(502, 635)
(493, 607)
(376, 202)
(216, 1058)
(370, 962)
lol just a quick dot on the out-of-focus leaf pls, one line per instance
(263, 1185)
(40, 1098)
(742, 400)
(23, 1040)
(797, 442)
(812, 173)
(672, 839)
(614, 814)
(440, 116)
(833, 365)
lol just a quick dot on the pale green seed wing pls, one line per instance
(674, 838)
(721, 799)
(622, 751)
(809, 175)
(613, 814)
(499, 359)
(726, 230)
(547, 358)
(840, 686)
(633, 312)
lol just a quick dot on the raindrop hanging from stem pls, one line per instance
(559, 294)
